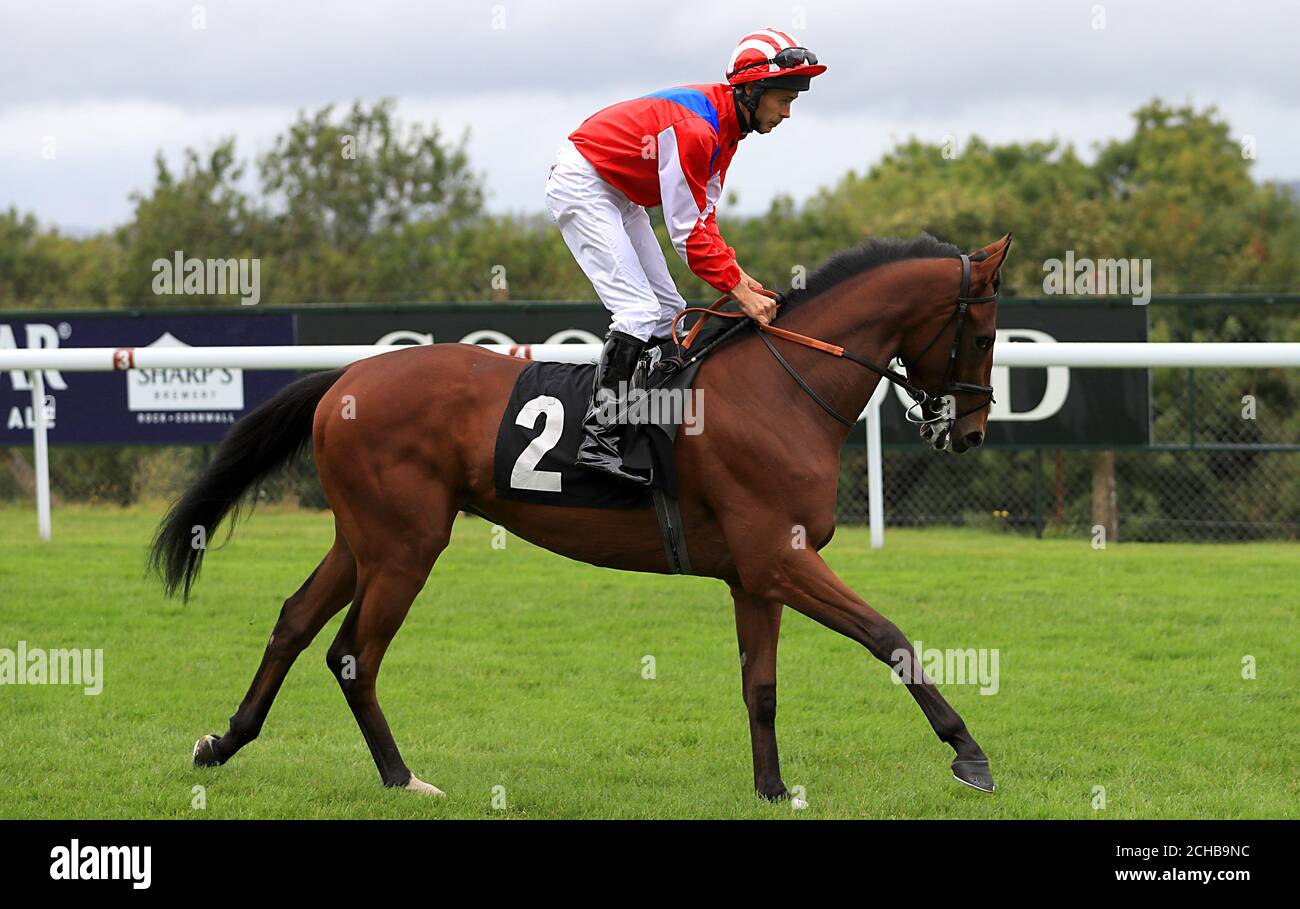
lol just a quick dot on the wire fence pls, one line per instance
(1224, 463)
(1147, 495)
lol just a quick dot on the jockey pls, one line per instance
(669, 148)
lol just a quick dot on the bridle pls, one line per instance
(919, 397)
(951, 387)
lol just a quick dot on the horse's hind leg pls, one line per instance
(758, 625)
(322, 595)
(402, 539)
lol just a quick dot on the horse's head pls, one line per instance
(949, 353)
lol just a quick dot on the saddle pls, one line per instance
(541, 429)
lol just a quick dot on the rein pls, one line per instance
(919, 396)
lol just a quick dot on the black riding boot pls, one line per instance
(599, 448)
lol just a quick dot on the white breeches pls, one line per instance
(611, 237)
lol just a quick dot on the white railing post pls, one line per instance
(876, 467)
(41, 453)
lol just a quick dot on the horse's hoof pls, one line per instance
(420, 786)
(205, 752)
(777, 793)
(975, 774)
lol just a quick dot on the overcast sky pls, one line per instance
(107, 84)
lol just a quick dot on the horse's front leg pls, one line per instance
(758, 625)
(800, 579)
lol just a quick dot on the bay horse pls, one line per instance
(405, 440)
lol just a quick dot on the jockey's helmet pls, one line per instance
(765, 59)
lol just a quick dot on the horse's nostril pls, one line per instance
(973, 439)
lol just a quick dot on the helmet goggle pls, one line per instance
(786, 58)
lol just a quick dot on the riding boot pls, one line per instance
(602, 427)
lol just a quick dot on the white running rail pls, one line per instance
(1088, 355)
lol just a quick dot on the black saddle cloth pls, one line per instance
(541, 429)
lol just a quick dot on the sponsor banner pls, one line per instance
(1056, 406)
(1035, 407)
(138, 406)
(499, 323)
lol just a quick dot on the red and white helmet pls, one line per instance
(772, 54)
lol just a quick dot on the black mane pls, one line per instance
(873, 252)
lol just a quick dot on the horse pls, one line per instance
(404, 441)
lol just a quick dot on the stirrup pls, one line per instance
(617, 471)
(597, 456)
(599, 450)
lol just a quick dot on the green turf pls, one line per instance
(1118, 668)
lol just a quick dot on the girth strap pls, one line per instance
(670, 528)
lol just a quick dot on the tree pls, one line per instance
(42, 268)
(348, 194)
(202, 213)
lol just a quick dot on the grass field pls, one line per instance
(1119, 668)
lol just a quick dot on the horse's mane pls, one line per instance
(871, 253)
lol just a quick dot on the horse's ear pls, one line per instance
(986, 262)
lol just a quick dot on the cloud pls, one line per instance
(115, 83)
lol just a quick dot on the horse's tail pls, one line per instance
(267, 439)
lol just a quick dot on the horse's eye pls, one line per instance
(983, 342)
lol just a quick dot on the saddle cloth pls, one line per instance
(541, 429)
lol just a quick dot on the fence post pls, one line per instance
(40, 453)
(1191, 382)
(1104, 507)
(876, 468)
(1038, 493)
